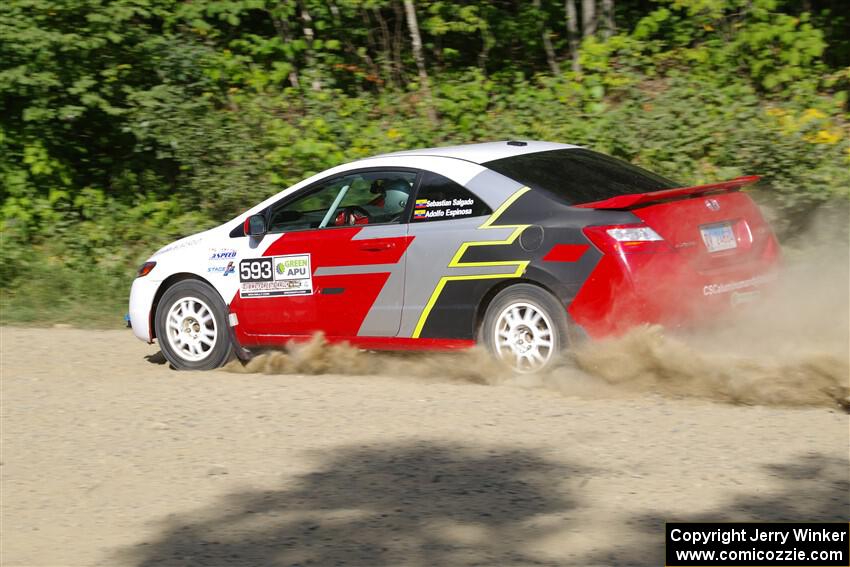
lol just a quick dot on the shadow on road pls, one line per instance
(425, 504)
(814, 488)
(442, 505)
(156, 358)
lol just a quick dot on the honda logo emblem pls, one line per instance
(712, 205)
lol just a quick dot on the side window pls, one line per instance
(440, 198)
(367, 197)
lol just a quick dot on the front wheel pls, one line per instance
(191, 325)
(525, 327)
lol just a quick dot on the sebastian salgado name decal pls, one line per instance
(758, 544)
(442, 208)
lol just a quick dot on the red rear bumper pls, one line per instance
(669, 288)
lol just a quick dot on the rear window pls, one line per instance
(440, 198)
(579, 176)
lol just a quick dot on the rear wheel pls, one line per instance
(525, 327)
(191, 326)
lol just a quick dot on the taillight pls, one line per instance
(633, 234)
(145, 269)
(626, 238)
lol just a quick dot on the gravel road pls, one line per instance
(111, 458)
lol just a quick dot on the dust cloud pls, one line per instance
(789, 348)
(318, 356)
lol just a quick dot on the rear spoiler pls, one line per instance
(640, 199)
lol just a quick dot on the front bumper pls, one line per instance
(142, 294)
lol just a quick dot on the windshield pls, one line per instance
(579, 176)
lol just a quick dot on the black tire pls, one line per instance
(505, 342)
(199, 314)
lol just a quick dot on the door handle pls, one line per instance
(377, 246)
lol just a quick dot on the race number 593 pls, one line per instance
(256, 270)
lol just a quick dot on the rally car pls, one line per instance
(522, 246)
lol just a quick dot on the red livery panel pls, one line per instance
(338, 304)
(335, 247)
(566, 253)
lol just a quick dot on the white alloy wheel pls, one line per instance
(523, 337)
(191, 329)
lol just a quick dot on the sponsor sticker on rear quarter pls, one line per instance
(440, 209)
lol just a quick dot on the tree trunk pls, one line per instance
(386, 55)
(608, 19)
(416, 40)
(572, 32)
(588, 17)
(372, 47)
(398, 42)
(547, 41)
(281, 25)
(374, 72)
(309, 36)
(487, 43)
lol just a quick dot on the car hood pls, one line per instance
(183, 244)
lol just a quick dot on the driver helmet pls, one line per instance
(396, 194)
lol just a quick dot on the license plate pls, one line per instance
(718, 237)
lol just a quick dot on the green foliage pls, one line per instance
(750, 37)
(128, 123)
(52, 289)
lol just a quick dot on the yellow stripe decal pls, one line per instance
(518, 265)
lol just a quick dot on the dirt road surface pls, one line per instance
(111, 458)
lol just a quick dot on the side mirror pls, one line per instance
(255, 226)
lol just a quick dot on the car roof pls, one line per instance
(488, 151)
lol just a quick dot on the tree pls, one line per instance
(416, 43)
(588, 17)
(547, 41)
(572, 32)
(610, 27)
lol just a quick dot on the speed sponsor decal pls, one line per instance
(219, 254)
(221, 261)
(276, 276)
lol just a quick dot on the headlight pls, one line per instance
(145, 269)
